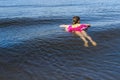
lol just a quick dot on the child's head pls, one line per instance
(76, 20)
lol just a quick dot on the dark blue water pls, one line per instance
(34, 47)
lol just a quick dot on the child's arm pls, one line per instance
(64, 26)
(86, 26)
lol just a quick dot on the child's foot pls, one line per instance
(94, 43)
(86, 45)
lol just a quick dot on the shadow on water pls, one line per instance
(63, 57)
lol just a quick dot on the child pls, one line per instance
(79, 29)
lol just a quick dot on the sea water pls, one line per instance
(34, 47)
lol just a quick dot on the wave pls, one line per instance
(28, 21)
(61, 50)
(58, 37)
(41, 5)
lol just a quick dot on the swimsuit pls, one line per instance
(79, 28)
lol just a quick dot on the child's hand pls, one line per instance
(88, 25)
(66, 29)
(62, 25)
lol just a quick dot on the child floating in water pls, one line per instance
(79, 29)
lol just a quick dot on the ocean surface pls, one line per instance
(34, 47)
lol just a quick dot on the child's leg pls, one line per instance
(89, 38)
(82, 37)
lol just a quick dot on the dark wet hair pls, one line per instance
(76, 20)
